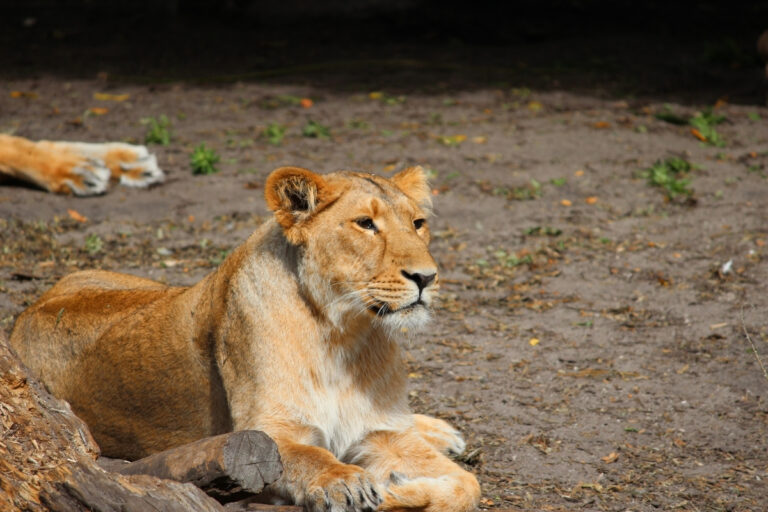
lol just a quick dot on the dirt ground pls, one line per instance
(592, 340)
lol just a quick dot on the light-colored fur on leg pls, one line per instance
(78, 168)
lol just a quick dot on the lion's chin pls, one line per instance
(412, 317)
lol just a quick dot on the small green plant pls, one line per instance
(509, 259)
(204, 160)
(669, 175)
(704, 122)
(525, 193)
(275, 133)
(158, 130)
(315, 130)
(93, 244)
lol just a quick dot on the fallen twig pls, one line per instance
(754, 348)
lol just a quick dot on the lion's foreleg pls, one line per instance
(420, 477)
(314, 478)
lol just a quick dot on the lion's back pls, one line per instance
(69, 317)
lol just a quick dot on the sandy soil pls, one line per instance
(591, 338)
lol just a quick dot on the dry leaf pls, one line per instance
(24, 94)
(98, 111)
(77, 215)
(610, 458)
(306, 102)
(533, 342)
(696, 133)
(535, 106)
(591, 200)
(602, 124)
(566, 202)
(579, 173)
(102, 96)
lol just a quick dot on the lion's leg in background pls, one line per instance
(78, 168)
(130, 164)
(51, 167)
(420, 476)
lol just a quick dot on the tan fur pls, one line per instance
(75, 167)
(295, 334)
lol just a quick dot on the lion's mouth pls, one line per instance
(383, 309)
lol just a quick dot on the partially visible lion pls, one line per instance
(296, 334)
(79, 168)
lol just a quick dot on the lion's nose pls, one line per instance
(421, 280)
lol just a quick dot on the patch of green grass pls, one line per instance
(558, 182)
(670, 175)
(509, 259)
(315, 130)
(217, 258)
(158, 130)
(204, 160)
(754, 116)
(705, 123)
(275, 133)
(525, 193)
(93, 244)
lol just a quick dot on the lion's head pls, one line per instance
(363, 242)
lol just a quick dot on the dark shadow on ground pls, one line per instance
(688, 51)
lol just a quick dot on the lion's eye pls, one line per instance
(419, 223)
(366, 223)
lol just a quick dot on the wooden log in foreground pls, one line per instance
(47, 458)
(223, 465)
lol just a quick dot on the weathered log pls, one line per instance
(225, 466)
(260, 507)
(47, 458)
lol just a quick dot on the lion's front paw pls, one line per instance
(344, 488)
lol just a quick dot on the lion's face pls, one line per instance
(364, 241)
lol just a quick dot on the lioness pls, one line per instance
(79, 168)
(294, 334)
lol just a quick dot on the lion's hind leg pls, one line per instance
(420, 478)
(132, 165)
(51, 167)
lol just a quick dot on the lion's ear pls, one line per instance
(294, 194)
(413, 182)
